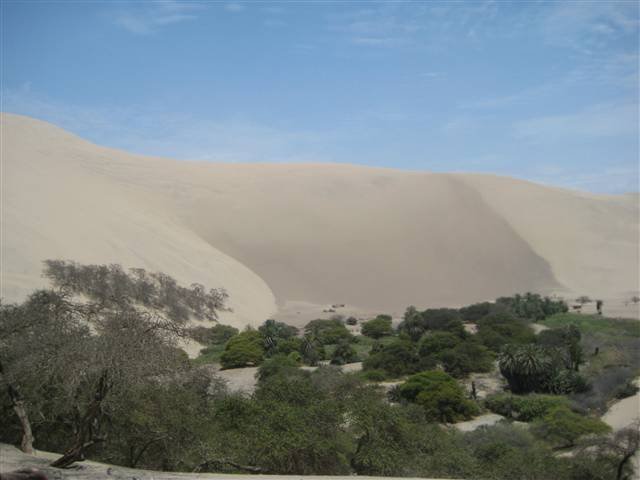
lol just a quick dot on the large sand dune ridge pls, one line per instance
(377, 238)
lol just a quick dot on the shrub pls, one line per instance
(562, 427)
(442, 398)
(374, 375)
(288, 345)
(396, 359)
(566, 340)
(465, 358)
(501, 328)
(328, 332)
(629, 389)
(532, 306)
(563, 382)
(433, 343)
(415, 323)
(245, 349)
(277, 365)
(524, 408)
(475, 312)
(216, 335)
(378, 327)
(344, 353)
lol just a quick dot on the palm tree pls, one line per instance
(525, 367)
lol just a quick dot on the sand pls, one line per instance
(278, 236)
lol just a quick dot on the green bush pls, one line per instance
(245, 349)
(374, 375)
(433, 343)
(328, 332)
(442, 398)
(629, 389)
(378, 327)
(396, 359)
(351, 321)
(277, 365)
(524, 408)
(216, 335)
(561, 427)
(532, 306)
(501, 328)
(344, 353)
(465, 358)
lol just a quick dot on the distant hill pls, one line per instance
(377, 238)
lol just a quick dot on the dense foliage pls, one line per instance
(156, 410)
(442, 398)
(377, 327)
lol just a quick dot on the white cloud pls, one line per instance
(604, 120)
(150, 17)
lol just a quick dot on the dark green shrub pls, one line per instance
(465, 358)
(378, 327)
(562, 427)
(433, 343)
(396, 359)
(245, 349)
(328, 332)
(351, 321)
(629, 389)
(442, 398)
(524, 408)
(277, 365)
(532, 306)
(374, 375)
(216, 335)
(344, 353)
(501, 328)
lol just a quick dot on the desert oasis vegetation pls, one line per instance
(289, 239)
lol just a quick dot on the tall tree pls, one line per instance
(131, 321)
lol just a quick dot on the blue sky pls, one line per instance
(546, 91)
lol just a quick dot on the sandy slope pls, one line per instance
(374, 238)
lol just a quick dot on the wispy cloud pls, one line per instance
(590, 27)
(234, 7)
(604, 120)
(148, 18)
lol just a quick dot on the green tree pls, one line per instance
(395, 359)
(442, 398)
(216, 335)
(527, 368)
(344, 353)
(378, 327)
(243, 350)
(279, 364)
(328, 332)
(136, 318)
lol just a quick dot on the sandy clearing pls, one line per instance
(380, 239)
(486, 420)
(623, 412)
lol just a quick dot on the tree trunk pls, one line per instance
(85, 436)
(621, 465)
(17, 402)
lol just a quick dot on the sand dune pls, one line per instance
(379, 239)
